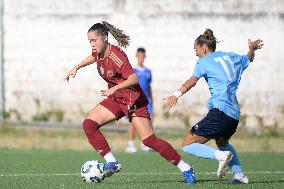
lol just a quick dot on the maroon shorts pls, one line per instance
(139, 109)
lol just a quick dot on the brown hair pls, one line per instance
(119, 35)
(142, 50)
(208, 39)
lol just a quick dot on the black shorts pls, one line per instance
(216, 125)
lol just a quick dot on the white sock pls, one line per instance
(239, 175)
(131, 143)
(109, 157)
(183, 166)
(219, 155)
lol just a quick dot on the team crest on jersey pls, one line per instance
(132, 109)
(101, 70)
(110, 73)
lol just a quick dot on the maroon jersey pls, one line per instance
(115, 68)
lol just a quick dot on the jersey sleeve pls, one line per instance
(126, 70)
(243, 59)
(122, 63)
(199, 70)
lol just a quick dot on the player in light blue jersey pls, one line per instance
(222, 72)
(145, 78)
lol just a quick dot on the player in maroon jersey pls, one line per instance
(124, 98)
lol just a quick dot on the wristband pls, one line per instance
(177, 94)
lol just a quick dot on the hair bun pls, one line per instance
(208, 34)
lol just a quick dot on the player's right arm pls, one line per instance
(89, 60)
(199, 71)
(172, 100)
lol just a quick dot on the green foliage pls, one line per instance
(186, 121)
(6, 115)
(16, 113)
(272, 133)
(41, 117)
(166, 114)
(243, 119)
(52, 114)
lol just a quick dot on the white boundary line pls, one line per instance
(122, 174)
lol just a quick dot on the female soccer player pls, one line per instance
(124, 98)
(145, 78)
(222, 72)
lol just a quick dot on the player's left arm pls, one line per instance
(172, 100)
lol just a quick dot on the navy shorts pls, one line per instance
(216, 125)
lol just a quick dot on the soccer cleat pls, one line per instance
(240, 180)
(111, 168)
(221, 172)
(131, 149)
(189, 176)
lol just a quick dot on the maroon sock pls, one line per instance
(95, 137)
(164, 148)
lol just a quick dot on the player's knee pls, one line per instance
(221, 142)
(185, 143)
(190, 139)
(89, 126)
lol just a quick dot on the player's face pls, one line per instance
(140, 58)
(199, 50)
(98, 42)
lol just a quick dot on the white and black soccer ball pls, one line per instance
(92, 172)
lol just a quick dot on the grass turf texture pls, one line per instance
(61, 169)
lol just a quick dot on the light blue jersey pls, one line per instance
(145, 78)
(222, 71)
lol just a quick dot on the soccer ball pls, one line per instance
(92, 172)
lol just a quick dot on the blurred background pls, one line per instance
(41, 40)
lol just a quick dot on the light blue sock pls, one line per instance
(200, 150)
(234, 164)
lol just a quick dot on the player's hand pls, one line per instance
(255, 45)
(72, 73)
(109, 91)
(170, 101)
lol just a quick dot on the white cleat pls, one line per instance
(240, 180)
(221, 172)
(131, 149)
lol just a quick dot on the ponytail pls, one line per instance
(119, 35)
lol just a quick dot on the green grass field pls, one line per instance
(60, 169)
